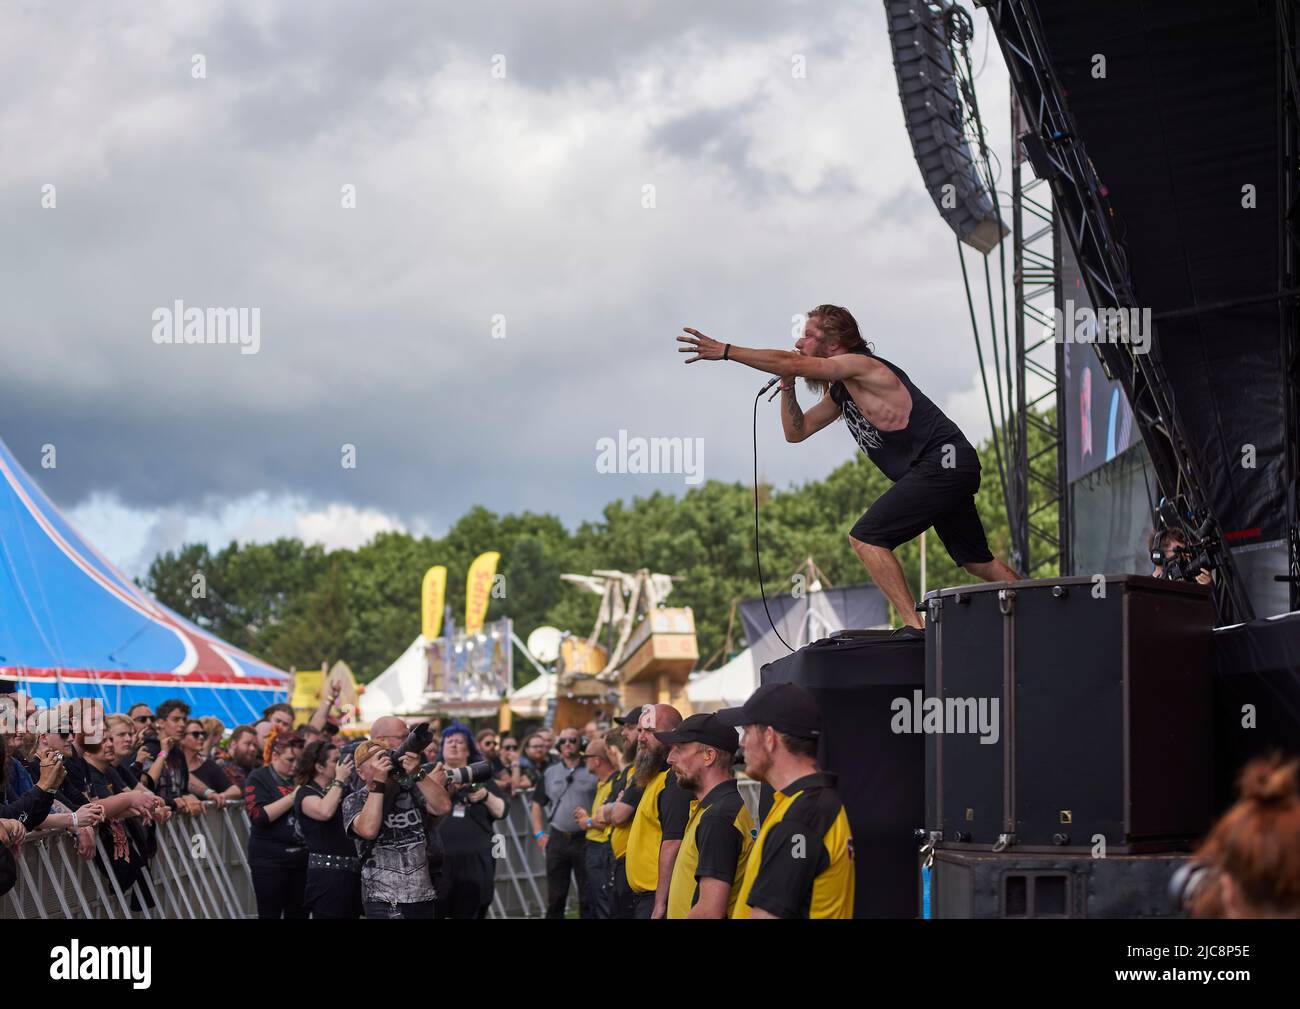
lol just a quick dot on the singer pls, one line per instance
(934, 470)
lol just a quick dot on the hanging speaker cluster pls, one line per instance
(922, 37)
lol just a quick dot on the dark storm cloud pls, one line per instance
(476, 198)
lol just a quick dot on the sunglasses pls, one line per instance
(488, 744)
(568, 739)
(143, 719)
(510, 746)
(197, 735)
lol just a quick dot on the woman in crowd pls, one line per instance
(468, 869)
(1253, 853)
(276, 858)
(194, 744)
(333, 869)
(216, 730)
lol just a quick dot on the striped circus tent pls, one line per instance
(72, 625)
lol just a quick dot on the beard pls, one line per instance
(650, 760)
(816, 388)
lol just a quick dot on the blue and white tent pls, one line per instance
(72, 625)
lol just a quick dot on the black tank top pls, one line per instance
(894, 452)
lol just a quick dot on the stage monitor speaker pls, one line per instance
(856, 676)
(1103, 698)
(971, 884)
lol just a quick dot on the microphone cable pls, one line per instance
(758, 561)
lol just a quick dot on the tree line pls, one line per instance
(296, 605)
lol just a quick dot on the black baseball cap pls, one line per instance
(632, 717)
(704, 729)
(787, 707)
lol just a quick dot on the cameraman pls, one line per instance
(1170, 543)
(391, 821)
(468, 871)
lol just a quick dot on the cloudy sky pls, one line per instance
(499, 156)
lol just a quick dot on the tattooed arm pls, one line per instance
(799, 425)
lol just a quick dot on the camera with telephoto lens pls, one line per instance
(416, 741)
(472, 774)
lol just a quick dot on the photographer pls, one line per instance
(277, 859)
(333, 869)
(1171, 546)
(392, 821)
(468, 871)
(564, 786)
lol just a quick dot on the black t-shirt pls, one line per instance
(928, 431)
(468, 829)
(324, 837)
(172, 780)
(103, 784)
(210, 773)
(127, 773)
(271, 842)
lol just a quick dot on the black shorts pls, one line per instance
(929, 495)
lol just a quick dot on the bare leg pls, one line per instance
(993, 571)
(887, 573)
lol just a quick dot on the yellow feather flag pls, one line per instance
(478, 590)
(433, 592)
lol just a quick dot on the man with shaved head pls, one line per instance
(659, 822)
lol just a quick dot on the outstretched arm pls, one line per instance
(791, 364)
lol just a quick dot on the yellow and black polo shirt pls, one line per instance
(600, 835)
(801, 866)
(716, 845)
(661, 815)
(623, 790)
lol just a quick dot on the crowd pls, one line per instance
(645, 818)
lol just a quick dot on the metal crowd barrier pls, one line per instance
(199, 871)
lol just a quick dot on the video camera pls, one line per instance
(1201, 547)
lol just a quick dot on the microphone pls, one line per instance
(771, 382)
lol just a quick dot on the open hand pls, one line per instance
(703, 347)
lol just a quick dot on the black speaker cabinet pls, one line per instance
(855, 677)
(1256, 696)
(971, 884)
(1060, 714)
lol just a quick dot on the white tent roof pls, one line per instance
(725, 687)
(399, 689)
(530, 700)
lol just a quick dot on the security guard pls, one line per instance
(710, 864)
(600, 859)
(801, 866)
(624, 796)
(660, 818)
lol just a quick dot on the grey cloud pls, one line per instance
(376, 325)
